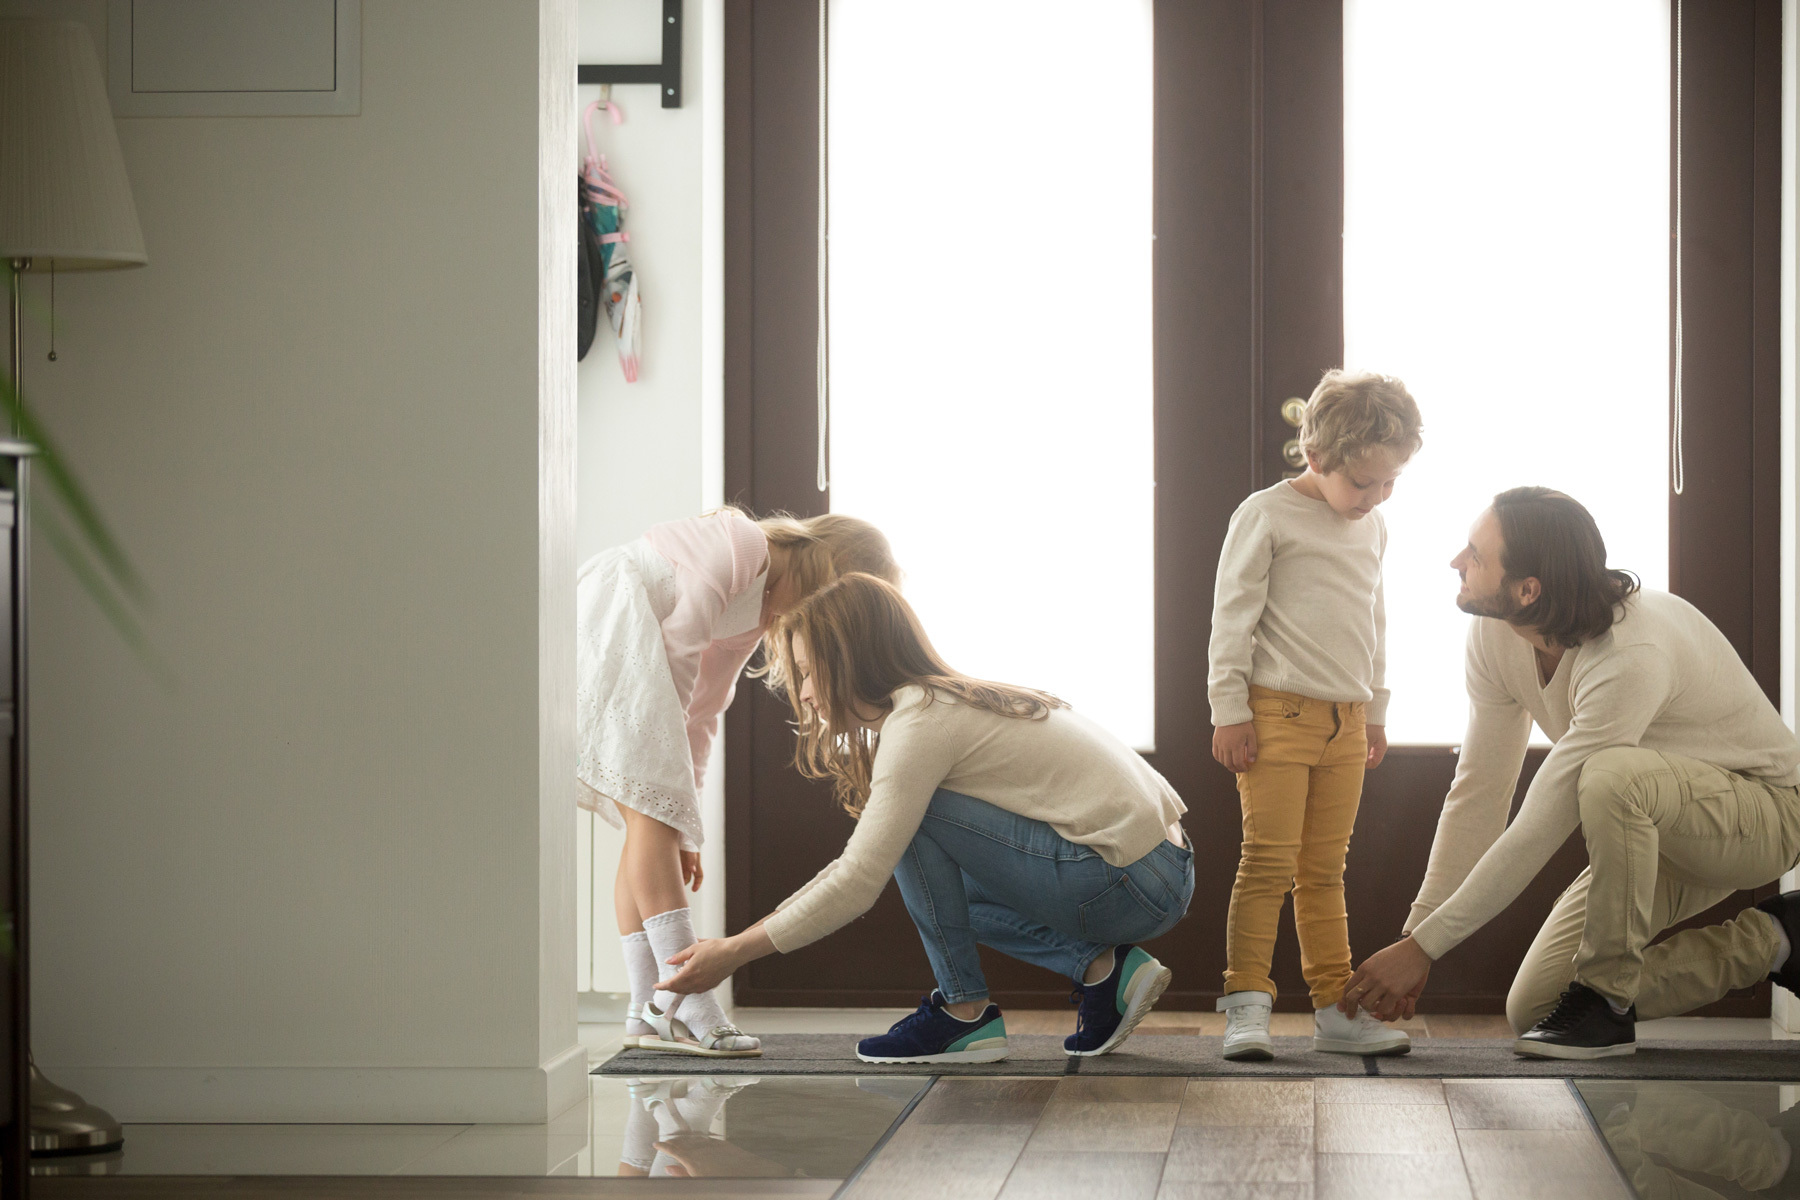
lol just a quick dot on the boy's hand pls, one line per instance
(1235, 746)
(691, 871)
(1377, 745)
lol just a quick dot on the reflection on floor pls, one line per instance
(1009, 1139)
(735, 1127)
(1700, 1140)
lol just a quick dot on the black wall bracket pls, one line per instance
(666, 75)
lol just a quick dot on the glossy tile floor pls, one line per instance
(1003, 1139)
(1699, 1140)
(737, 1127)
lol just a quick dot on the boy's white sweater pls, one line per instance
(1297, 606)
(1663, 678)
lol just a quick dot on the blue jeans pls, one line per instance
(977, 874)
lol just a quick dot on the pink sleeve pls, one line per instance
(700, 550)
(716, 557)
(687, 633)
(720, 666)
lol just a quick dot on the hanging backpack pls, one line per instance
(603, 247)
(587, 295)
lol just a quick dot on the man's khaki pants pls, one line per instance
(1667, 837)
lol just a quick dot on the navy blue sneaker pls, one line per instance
(932, 1035)
(1112, 1008)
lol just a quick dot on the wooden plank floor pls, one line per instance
(1245, 1139)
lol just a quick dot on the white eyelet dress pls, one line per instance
(664, 626)
(633, 733)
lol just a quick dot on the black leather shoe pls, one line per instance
(1785, 908)
(1582, 1025)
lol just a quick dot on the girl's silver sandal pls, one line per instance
(674, 1037)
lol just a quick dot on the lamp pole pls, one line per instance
(65, 203)
(17, 998)
(58, 1121)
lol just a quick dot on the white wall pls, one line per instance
(330, 877)
(650, 451)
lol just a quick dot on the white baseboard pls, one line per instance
(1784, 1010)
(335, 1095)
(591, 1007)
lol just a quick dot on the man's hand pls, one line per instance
(711, 961)
(691, 871)
(1389, 982)
(1235, 746)
(1377, 749)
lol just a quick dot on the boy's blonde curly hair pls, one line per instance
(1354, 412)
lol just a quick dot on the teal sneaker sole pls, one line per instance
(1146, 987)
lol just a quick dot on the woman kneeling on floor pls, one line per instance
(1007, 818)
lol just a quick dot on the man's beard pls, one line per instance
(1502, 605)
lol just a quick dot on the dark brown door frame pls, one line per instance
(1248, 293)
(1725, 529)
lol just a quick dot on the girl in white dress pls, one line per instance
(665, 626)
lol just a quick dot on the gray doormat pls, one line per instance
(1441, 1058)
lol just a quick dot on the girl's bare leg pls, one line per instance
(650, 869)
(624, 903)
(641, 966)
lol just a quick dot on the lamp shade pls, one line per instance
(64, 197)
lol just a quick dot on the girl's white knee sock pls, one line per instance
(641, 969)
(701, 1106)
(669, 933)
(641, 1134)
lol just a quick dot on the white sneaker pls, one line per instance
(1247, 1025)
(1335, 1033)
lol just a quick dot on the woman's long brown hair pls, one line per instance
(863, 643)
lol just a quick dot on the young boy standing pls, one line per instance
(1297, 659)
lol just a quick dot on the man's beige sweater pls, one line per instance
(1063, 770)
(1664, 678)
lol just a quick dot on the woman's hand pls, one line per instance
(699, 1156)
(711, 961)
(1235, 746)
(691, 870)
(1389, 982)
(1377, 751)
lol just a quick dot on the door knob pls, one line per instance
(1292, 454)
(1293, 410)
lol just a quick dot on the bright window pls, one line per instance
(990, 330)
(1506, 253)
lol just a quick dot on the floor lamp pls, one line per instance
(65, 205)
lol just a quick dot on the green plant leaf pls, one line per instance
(84, 542)
(63, 484)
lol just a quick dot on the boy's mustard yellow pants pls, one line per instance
(1299, 799)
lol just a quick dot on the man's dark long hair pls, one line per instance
(1551, 537)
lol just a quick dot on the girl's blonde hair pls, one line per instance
(822, 548)
(1352, 413)
(863, 643)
